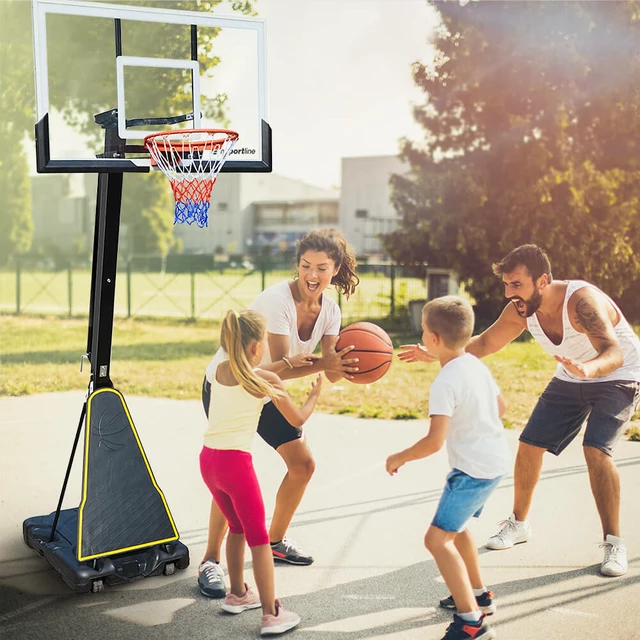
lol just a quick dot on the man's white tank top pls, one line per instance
(576, 345)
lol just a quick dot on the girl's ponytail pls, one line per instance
(237, 332)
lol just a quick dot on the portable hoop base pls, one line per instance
(191, 159)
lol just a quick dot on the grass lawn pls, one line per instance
(162, 358)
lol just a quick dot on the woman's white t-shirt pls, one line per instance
(465, 391)
(276, 303)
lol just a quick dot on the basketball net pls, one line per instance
(191, 159)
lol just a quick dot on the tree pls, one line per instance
(16, 96)
(145, 207)
(532, 134)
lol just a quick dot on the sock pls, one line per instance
(478, 592)
(273, 544)
(619, 542)
(472, 616)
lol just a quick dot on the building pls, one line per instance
(251, 210)
(365, 201)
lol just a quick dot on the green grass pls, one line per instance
(161, 358)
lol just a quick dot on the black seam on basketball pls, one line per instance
(373, 333)
(382, 364)
(354, 351)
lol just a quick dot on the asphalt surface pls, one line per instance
(372, 577)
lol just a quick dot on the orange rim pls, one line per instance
(167, 146)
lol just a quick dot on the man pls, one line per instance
(597, 380)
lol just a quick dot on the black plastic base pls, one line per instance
(92, 575)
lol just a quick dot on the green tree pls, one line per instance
(16, 98)
(146, 208)
(532, 134)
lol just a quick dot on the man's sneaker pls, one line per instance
(238, 604)
(211, 579)
(459, 629)
(281, 622)
(511, 532)
(287, 551)
(615, 557)
(485, 603)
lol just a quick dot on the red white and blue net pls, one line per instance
(191, 159)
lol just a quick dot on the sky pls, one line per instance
(340, 84)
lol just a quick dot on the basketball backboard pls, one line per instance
(137, 70)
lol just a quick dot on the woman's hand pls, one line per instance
(415, 353)
(337, 363)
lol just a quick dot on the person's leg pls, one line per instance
(235, 562)
(217, 530)
(300, 469)
(526, 475)
(468, 551)
(440, 545)
(605, 486)
(263, 573)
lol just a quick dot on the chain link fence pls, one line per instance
(195, 288)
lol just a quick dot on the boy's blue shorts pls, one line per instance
(463, 498)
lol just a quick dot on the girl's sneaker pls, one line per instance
(238, 604)
(281, 622)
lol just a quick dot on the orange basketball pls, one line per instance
(373, 347)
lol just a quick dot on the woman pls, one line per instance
(299, 317)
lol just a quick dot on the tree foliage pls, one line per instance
(532, 134)
(76, 52)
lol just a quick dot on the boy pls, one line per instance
(465, 408)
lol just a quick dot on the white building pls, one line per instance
(365, 200)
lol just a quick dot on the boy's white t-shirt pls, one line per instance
(465, 391)
(276, 303)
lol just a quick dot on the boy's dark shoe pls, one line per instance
(459, 629)
(485, 603)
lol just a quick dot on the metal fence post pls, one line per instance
(18, 285)
(392, 300)
(263, 273)
(70, 288)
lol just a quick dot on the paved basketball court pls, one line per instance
(372, 577)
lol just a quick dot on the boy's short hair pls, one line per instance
(529, 256)
(451, 318)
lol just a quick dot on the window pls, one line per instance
(223, 206)
(362, 213)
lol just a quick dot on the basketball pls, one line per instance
(373, 347)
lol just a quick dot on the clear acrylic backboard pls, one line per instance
(143, 70)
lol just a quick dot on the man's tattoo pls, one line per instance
(590, 321)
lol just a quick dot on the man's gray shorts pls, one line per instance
(564, 406)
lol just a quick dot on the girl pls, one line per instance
(237, 395)
(299, 317)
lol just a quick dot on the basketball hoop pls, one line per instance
(191, 159)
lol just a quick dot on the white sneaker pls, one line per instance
(511, 532)
(615, 557)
